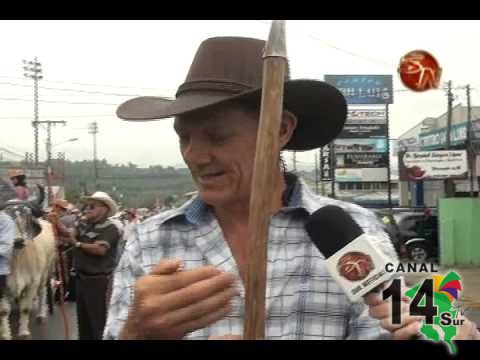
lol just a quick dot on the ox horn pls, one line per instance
(36, 203)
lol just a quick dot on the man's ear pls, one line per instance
(287, 127)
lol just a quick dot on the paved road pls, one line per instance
(54, 327)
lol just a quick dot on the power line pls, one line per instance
(58, 116)
(348, 52)
(58, 102)
(70, 90)
(85, 84)
(10, 152)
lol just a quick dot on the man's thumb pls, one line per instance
(167, 266)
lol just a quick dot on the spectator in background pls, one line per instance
(95, 240)
(61, 212)
(130, 221)
(19, 181)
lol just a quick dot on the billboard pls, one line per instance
(437, 139)
(366, 116)
(361, 175)
(351, 131)
(364, 89)
(444, 164)
(362, 160)
(371, 145)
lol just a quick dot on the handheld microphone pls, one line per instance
(353, 258)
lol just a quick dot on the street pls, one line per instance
(53, 328)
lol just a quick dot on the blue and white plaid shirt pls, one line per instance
(7, 235)
(303, 301)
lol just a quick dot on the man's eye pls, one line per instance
(218, 139)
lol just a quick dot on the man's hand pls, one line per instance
(382, 310)
(467, 331)
(170, 303)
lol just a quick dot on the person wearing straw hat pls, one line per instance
(19, 181)
(183, 271)
(94, 244)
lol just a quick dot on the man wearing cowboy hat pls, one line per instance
(19, 181)
(182, 275)
(95, 246)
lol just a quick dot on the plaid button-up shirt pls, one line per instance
(303, 301)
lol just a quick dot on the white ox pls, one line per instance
(32, 262)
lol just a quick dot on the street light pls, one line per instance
(66, 141)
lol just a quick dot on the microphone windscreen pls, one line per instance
(331, 228)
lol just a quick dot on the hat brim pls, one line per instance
(112, 207)
(320, 108)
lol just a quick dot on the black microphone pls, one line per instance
(353, 258)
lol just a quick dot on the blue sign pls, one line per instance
(364, 89)
(369, 145)
(437, 139)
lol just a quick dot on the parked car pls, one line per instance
(419, 233)
(414, 234)
(391, 228)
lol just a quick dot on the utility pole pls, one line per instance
(93, 129)
(470, 150)
(316, 172)
(389, 181)
(294, 161)
(33, 70)
(449, 184)
(327, 168)
(49, 154)
(333, 166)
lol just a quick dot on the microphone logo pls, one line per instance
(355, 266)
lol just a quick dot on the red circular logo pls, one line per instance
(419, 71)
(415, 173)
(355, 266)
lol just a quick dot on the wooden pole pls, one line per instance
(264, 179)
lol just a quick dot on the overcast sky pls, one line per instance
(130, 58)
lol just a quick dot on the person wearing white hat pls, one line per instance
(95, 244)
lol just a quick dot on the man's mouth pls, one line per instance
(210, 175)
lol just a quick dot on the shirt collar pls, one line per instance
(299, 195)
(195, 211)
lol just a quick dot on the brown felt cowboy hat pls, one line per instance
(231, 68)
